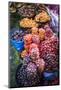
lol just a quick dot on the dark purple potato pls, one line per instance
(27, 11)
(26, 75)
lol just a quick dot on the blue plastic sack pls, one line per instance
(18, 45)
(50, 75)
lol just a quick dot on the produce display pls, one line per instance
(33, 44)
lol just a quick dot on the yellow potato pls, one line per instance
(42, 17)
(28, 23)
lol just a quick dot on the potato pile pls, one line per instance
(36, 43)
